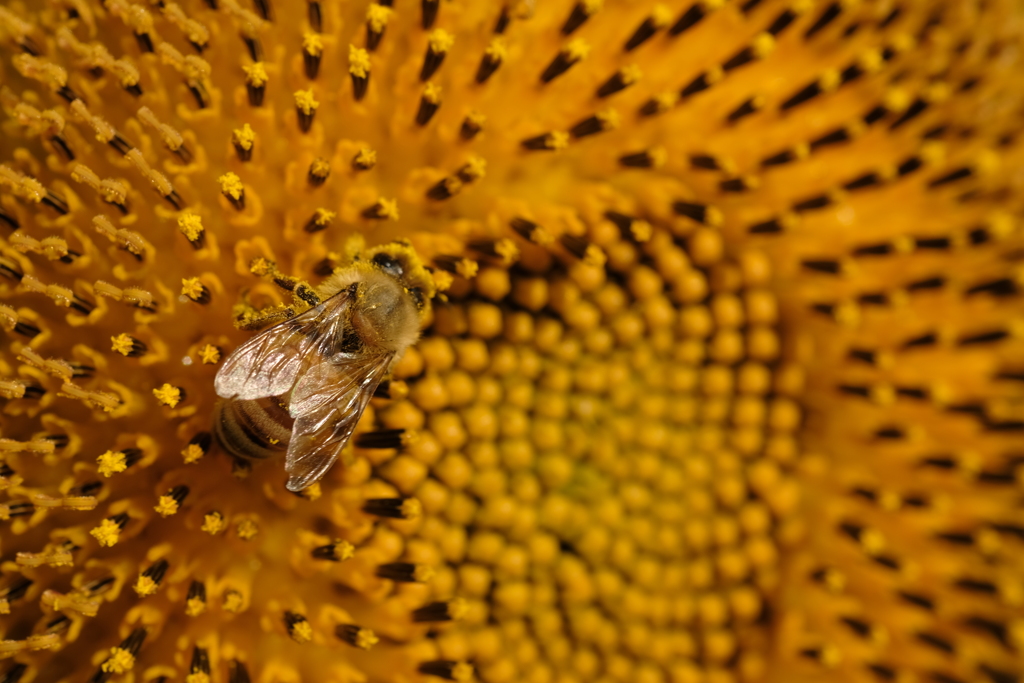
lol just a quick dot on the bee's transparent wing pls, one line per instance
(270, 363)
(327, 402)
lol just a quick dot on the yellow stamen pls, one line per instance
(111, 463)
(168, 395)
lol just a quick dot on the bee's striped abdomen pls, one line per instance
(260, 428)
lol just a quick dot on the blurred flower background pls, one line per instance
(725, 381)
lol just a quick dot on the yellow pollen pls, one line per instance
(661, 15)
(209, 354)
(247, 529)
(305, 101)
(192, 453)
(214, 523)
(198, 677)
(496, 50)
(320, 167)
(442, 280)
(462, 672)
(365, 158)
(120, 661)
(377, 17)
(231, 185)
(301, 631)
(190, 225)
(232, 602)
(323, 217)
(168, 395)
(359, 59)
(763, 44)
(145, 586)
(609, 119)
(122, 344)
(388, 208)
(166, 506)
(411, 508)
(432, 93)
(243, 137)
(256, 75)
(107, 533)
(312, 43)
(576, 49)
(194, 607)
(111, 463)
(192, 288)
(260, 267)
(365, 639)
(440, 41)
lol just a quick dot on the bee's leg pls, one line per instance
(248, 317)
(299, 288)
(286, 282)
(307, 294)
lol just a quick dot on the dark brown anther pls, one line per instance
(199, 92)
(429, 104)
(438, 44)
(546, 141)
(145, 42)
(440, 611)
(56, 202)
(445, 188)
(316, 22)
(319, 171)
(449, 670)
(383, 438)
(471, 126)
(430, 8)
(395, 508)
(255, 93)
(237, 673)
(568, 56)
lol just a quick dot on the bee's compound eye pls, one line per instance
(417, 296)
(388, 264)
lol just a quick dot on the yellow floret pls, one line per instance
(166, 506)
(168, 395)
(312, 43)
(107, 533)
(305, 101)
(256, 75)
(214, 523)
(377, 17)
(119, 662)
(209, 354)
(145, 586)
(231, 185)
(301, 632)
(191, 225)
(192, 288)
(192, 453)
(194, 607)
(440, 41)
(359, 60)
(243, 137)
(111, 463)
(122, 343)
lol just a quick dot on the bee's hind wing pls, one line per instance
(270, 363)
(327, 402)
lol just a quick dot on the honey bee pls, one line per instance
(302, 385)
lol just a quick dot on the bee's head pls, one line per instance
(400, 261)
(389, 264)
